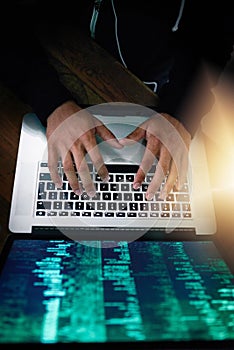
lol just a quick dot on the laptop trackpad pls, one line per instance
(132, 153)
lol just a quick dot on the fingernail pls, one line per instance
(149, 196)
(136, 185)
(58, 185)
(163, 195)
(78, 192)
(91, 193)
(106, 179)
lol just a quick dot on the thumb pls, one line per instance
(133, 137)
(108, 136)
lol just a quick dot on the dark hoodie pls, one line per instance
(163, 41)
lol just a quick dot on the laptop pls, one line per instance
(37, 206)
(136, 285)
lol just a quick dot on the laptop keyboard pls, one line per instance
(117, 198)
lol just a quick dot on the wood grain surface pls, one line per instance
(92, 76)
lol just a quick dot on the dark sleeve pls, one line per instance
(204, 36)
(25, 67)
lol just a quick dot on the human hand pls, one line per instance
(71, 135)
(168, 140)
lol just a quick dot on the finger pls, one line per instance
(148, 159)
(91, 147)
(160, 173)
(83, 170)
(53, 167)
(135, 136)
(170, 182)
(70, 173)
(183, 169)
(180, 166)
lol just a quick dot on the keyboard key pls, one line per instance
(154, 215)
(74, 196)
(122, 206)
(129, 178)
(97, 214)
(50, 186)
(138, 196)
(165, 215)
(63, 195)
(53, 195)
(41, 195)
(119, 178)
(41, 186)
(182, 197)
(101, 205)
(176, 215)
(68, 206)
(142, 215)
(104, 187)
(114, 187)
(144, 206)
(75, 213)
(45, 176)
(43, 205)
(90, 205)
(51, 213)
(187, 215)
(40, 213)
(86, 213)
(106, 196)
(117, 198)
(85, 196)
(63, 213)
(125, 187)
(79, 205)
(120, 215)
(57, 205)
(154, 206)
(144, 187)
(132, 215)
(112, 206)
(109, 215)
(133, 206)
(128, 196)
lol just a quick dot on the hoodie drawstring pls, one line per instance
(176, 25)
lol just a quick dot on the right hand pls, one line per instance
(169, 141)
(70, 136)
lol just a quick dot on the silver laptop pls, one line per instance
(37, 206)
(170, 287)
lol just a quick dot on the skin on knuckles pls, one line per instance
(169, 141)
(147, 161)
(70, 138)
(53, 166)
(163, 168)
(81, 165)
(70, 173)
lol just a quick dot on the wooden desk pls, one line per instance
(11, 113)
(93, 77)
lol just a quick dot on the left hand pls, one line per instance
(168, 140)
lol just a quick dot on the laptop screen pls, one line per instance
(62, 291)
